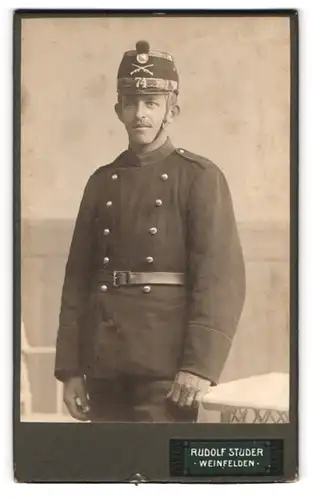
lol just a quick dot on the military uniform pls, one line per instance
(155, 279)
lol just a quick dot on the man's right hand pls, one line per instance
(75, 398)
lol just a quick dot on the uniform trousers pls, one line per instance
(134, 399)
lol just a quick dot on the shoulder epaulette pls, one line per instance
(188, 155)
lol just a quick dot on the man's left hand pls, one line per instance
(188, 389)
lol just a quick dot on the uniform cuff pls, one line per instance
(205, 352)
(63, 375)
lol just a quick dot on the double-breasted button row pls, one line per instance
(153, 230)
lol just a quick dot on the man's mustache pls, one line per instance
(140, 124)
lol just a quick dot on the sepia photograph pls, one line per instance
(155, 188)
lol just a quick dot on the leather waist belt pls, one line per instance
(128, 278)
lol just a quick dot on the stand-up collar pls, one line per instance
(131, 159)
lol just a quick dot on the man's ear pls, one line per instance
(173, 113)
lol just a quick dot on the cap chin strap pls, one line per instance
(164, 120)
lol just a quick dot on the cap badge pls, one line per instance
(142, 58)
(142, 68)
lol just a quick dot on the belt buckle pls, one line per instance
(117, 276)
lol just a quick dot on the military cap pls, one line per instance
(145, 71)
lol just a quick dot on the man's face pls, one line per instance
(142, 116)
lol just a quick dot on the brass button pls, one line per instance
(150, 260)
(103, 288)
(114, 177)
(158, 203)
(146, 289)
(109, 203)
(164, 177)
(153, 230)
(106, 260)
(106, 232)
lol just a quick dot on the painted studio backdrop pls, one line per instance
(234, 98)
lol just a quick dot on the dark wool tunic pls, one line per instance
(168, 211)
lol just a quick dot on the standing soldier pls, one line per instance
(155, 280)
